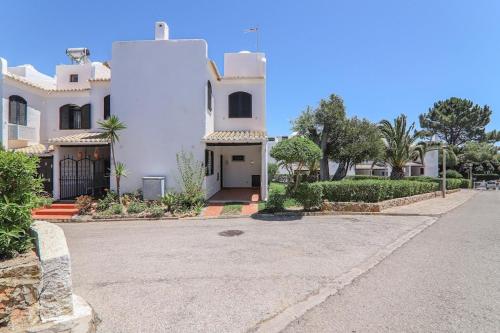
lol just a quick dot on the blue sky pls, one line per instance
(383, 57)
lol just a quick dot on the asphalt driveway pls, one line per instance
(183, 276)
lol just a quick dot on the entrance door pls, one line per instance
(45, 170)
(221, 172)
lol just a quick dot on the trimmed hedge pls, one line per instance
(309, 195)
(453, 174)
(372, 190)
(465, 183)
(277, 197)
(365, 177)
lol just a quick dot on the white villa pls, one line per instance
(171, 97)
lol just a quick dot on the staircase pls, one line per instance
(56, 211)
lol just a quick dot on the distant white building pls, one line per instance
(170, 95)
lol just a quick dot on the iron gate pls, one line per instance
(82, 177)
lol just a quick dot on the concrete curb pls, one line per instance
(258, 216)
(280, 321)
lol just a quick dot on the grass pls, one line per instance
(289, 202)
(232, 209)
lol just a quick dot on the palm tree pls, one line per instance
(111, 127)
(401, 145)
(120, 171)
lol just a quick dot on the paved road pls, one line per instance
(447, 279)
(182, 276)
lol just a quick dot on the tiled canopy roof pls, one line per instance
(81, 138)
(37, 149)
(235, 136)
(52, 89)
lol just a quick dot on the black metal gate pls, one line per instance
(45, 171)
(82, 177)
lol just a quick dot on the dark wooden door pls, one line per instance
(45, 170)
(255, 180)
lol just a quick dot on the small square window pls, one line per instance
(238, 158)
(73, 78)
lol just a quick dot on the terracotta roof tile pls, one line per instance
(235, 136)
(38, 149)
(88, 137)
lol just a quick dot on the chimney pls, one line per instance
(161, 31)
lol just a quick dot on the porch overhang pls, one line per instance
(38, 150)
(81, 139)
(222, 138)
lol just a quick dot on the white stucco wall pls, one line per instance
(63, 73)
(3, 135)
(239, 174)
(255, 87)
(35, 105)
(212, 182)
(158, 89)
(50, 118)
(244, 64)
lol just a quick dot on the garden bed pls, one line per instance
(377, 207)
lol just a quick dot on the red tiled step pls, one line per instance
(250, 209)
(213, 210)
(56, 211)
(52, 217)
(63, 205)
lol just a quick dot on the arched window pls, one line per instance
(209, 95)
(107, 107)
(18, 110)
(72, 116)
(240, 105)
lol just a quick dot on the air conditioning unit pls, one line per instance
(153, 187)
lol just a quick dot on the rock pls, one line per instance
(20, 281)
(56, 292)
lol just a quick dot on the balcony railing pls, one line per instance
(20, 132)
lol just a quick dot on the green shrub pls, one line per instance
(19, 190)
(453, 183)
(485, 177)
(371, 190)
(423, 179)
(309, 195)
(170, 201)
(453, 174)
(115, 209)
(106, 202)
(136, 207)
(272, 170)
(182, 202)
(277, 197)
(364, 177)
(44, 200)
(465, 183)
(84, 204)
(155, 211)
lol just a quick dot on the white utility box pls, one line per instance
(153, 188)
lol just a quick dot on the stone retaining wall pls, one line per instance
(376, 207)
(35, 291)
(20, 281)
